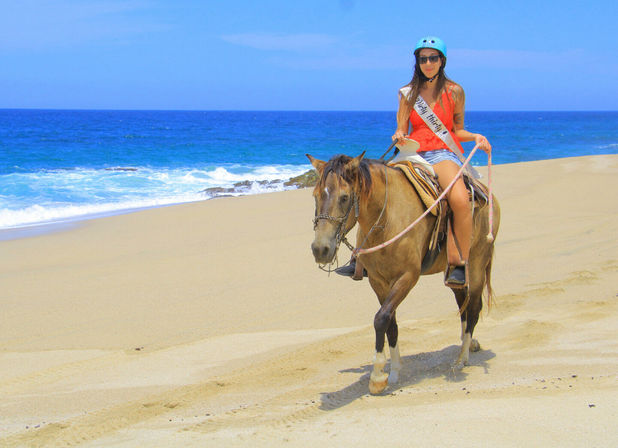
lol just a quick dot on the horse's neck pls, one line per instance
(403, 204)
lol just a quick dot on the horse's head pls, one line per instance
(336, 202)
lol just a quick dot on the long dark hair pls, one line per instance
(418, 79)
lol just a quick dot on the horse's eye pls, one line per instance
(344, 198)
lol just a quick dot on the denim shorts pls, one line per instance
(439, 155)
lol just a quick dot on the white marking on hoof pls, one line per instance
(378, 379)
(378, 384)
(462, 359)
(393, 377)
(379, 361)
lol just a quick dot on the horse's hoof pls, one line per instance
(475, 346)
(393, 378)
(377, 385)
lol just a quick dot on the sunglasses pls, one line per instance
(424, 59)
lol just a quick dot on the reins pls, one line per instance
(389, 149)
(490, 233)
(360, 251)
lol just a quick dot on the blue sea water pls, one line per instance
(58, 165)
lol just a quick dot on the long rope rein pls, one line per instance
(360, 251)
(490, 233)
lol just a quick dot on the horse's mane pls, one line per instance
(362, 178)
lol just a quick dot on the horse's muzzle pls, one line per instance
(323, 250)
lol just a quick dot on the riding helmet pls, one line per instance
(431, 42)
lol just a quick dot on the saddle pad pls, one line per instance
(425, 188)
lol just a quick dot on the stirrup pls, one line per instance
(456, 277)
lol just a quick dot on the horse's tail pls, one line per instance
(490, 292)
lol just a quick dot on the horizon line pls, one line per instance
(279, 110)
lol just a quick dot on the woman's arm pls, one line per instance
(403, 119)
(459, 98)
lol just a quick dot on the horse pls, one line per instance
(381, 200)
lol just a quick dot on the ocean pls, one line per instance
(64, 165)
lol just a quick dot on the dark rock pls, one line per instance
(213, 191)
(121, 168)
(308, 179)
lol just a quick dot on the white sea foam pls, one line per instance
(65, 195)
(37, 214)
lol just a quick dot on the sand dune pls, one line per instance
(209, 324)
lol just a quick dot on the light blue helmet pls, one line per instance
(431, 42)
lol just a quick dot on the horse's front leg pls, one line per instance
(385, 322)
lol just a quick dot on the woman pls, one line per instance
(446, 99)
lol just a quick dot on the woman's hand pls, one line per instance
(482, 143)
(398, 135)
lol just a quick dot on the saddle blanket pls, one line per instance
(427, 189)
(403, 156)
(426, 184)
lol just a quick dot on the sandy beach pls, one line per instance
(209, 324)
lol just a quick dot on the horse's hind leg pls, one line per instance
(469, 319)
(392, 334)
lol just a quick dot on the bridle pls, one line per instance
(340, 233)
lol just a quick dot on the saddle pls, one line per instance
(428, 189)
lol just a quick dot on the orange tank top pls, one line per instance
(423, 135)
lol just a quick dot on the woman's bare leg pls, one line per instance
(459, 202)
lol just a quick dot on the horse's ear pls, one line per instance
(355, 162)
(317, 164)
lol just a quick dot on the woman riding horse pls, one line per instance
(380, 200)
(446, 100)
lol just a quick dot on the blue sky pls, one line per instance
(302, 55)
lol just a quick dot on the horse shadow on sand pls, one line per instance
(414, 369)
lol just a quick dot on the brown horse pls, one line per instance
(352, 190)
